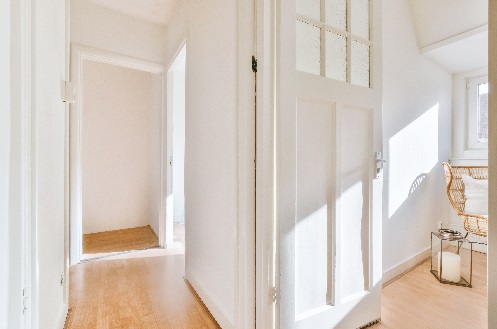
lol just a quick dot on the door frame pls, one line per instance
(168, 124)
(79, 53)
(267, 237)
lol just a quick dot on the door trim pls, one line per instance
(267, 237)
(78, 54)
(167, 126)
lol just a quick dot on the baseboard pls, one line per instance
(218, 315)
(393, 273)
(61, 322)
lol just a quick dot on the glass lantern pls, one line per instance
(451, 258)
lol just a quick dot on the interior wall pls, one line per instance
(98, 27)
(179, 145)
(211, 153)
(49, 68)
(5, 145)
(176, 32)
(417, 139)
(121, 142)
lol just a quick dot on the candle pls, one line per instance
(451, 266)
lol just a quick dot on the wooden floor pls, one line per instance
(148, 293)
(418, 301)
(137, 238)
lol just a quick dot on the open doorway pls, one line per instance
(116, 145)
(175, 230)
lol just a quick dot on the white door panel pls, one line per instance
(328, 127)
(313, 257)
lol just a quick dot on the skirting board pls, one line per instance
(221, 319)
(61, 323)
(404, 267)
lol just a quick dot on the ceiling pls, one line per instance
(437, 20)
(155, 11)
(453, 33)
(462, 54)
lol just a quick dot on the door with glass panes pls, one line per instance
(328, 190)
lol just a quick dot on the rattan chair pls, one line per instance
(473, 223)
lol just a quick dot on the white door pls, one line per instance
(328, 125)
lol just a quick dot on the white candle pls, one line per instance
(451, 266)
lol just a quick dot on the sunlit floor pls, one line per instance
(418, 301)
(143, 289)
(136, 238)
(146, 289)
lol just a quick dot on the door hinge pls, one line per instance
(24, 301)
(273, 294)
(254, 64)
(379, 163)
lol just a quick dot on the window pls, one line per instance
(477, 97)
(333, 39)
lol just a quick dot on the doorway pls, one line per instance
(116, 154)
(175, 230)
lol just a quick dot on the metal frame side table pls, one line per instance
(451, 238)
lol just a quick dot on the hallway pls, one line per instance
(147, 292)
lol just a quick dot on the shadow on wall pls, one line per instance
(417, 183)
(414, 185)
(412, 151)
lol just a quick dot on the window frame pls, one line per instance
(472, 83)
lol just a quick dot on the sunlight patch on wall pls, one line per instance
(413, 153)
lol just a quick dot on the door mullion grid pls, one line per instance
(323, 38)
(309, 20)
(349, 41)
(324, 27)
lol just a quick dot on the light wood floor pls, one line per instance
(418, 301)
(137, 238)
(148, 293)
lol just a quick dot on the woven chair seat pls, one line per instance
(473, 223)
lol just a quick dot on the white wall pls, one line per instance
(179, 145)
(121, 141)
(176, 32)
(14, 180)
(102, 28)
(211, 151)
(441, 19)
(5, 123)
(49, 146)
(417, 138)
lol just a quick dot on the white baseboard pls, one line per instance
(405, 266)
(61, 322)
(221, 319)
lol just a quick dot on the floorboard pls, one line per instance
(146, 289)
(148, 293)
(418, 301)
(137, 238)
